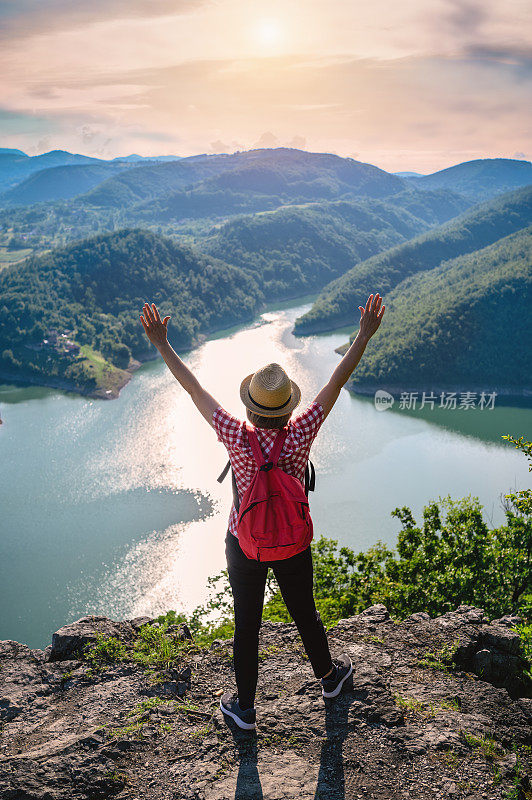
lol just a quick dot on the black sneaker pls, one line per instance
(247, 720)
(332, 686)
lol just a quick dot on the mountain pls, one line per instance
(480, 226)
(15, 166)
(96, 289)
(59, 183)
(408, 174)
(287, 174)
(479, 179)
(148, 181)
(12, 151)
(466, 323)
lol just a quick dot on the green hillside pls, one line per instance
(297, 249)
(482, 225)
(465, 324)
(479, 179)
(96, 290)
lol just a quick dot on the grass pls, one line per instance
(116, 775)
(201, 733)
(65, 677)
(441, 659)
(486, 745)
(8, 257)
(146, 705)
(104, 651)
(421, 708)
(107, 376)
(266, 652)
(154, 649)
(281, 740)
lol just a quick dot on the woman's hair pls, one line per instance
(267, 422)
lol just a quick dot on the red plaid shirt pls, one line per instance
(232, 433)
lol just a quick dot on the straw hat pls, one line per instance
(270, 392)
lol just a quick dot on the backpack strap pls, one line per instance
(255, 447)
(310, 477)
(278, 445)
(224, 472)
(221, 477)
(236, 498)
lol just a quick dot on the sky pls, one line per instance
(412, 85)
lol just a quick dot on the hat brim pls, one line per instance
(294, 401)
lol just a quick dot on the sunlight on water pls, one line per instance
(126, 517)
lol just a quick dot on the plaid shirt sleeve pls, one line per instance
(308, 423)
(227, 427)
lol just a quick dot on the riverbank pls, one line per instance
(108, 391)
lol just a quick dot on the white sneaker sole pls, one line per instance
(246, 726)
(338, 689)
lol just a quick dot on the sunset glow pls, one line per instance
(404, 86)
(268, 32)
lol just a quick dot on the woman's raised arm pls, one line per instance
(370, 319)
(156, 331)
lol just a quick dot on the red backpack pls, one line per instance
(273, 518)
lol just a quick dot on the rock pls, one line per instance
(138, 622)
(419, 616)
(509, 620)
(376, 613)
(399, 729)
(70, 640)
(9, 708)
(469, 614)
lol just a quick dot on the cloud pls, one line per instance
(26, 17)
(266, 139)
(406, 86)
(465, 17)
(219, 147)
(299, 142)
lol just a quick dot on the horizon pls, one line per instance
(158, 155)
(405, 88)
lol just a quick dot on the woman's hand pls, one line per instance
(371, 315)
(156, 331)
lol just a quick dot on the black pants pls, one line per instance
(248, 579)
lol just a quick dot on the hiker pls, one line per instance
(272, 440)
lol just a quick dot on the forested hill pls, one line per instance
(95, 290)
(484, 224)
(480, 179)
(282, 172)
(298, 249)
(466, 323)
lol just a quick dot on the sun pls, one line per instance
(268, 32)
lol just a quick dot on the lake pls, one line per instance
(112, 507)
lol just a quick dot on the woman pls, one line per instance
(270, 397)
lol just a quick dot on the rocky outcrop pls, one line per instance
(437, 708)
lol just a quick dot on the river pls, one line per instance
(112, 507)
